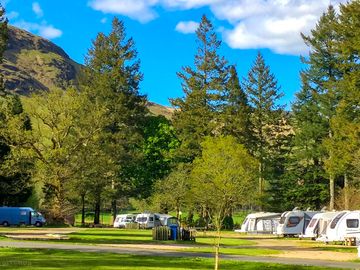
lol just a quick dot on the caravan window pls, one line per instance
(352, 223)
(151, 219)
(336, 220)
(293, 221)
(312, 222)
(282, 220)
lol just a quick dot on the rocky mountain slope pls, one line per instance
(32, 63)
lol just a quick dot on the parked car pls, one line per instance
(20, 216)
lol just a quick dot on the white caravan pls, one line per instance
(346, 223)
(294, 222)
(167, 220)
(318, 225)
(261, 222)
(148, 220)
(122, 220)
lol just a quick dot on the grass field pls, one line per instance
(26, 259)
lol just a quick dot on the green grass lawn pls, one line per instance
(26, 259)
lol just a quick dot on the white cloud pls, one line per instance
(37, 9)
(140, 10)
(187, 27)
(273, 24)
(43, 29)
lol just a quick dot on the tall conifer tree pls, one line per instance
(263, 94)
(113, 76)
(197, 113)
(313, 109)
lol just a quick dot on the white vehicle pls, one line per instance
(294, 222)
(168, 220)
(318, 225)
(148, 220)
(346, 223)
(262, 222)
(122, 220)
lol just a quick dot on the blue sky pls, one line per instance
(164, 33)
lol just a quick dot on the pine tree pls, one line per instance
(266, 115)
(112, 78)
(236, 111)
(197, 114)
(314, 107)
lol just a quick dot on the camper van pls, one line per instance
(262, 222)
(148, 220)
(345, 223)
(294, 222)
(122, 220)
(20, 216)
(318, 225)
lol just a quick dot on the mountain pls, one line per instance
(32, 63)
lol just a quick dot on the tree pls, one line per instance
(266, 115)
(344, 123)
(172, 192)
(222, 178)
(196, 114)
(236, 111)
(315, 106)
(112, 78)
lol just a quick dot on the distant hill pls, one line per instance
(32, 63)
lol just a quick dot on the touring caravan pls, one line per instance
(261, 222)
(167, 220)
(294, 222)
(122, 220)
(346, 223)
(318, 225)
(148, 220)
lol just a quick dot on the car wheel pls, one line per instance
(5, 224)
(38, 224)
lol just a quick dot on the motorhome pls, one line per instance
(148, 220)
(261, 222)
(345, 223)
(122, 220)
(318, 225)
(294, 222)
(20, 216)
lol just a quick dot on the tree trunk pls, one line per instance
(346, 191)
(114, 210)
(97, 211)
(332, 192)
(217, 248)
(83, 209)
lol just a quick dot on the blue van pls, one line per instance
(20, 215)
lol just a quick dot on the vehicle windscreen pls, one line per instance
(312, 222)
(336, 220)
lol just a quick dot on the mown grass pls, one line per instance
(25, 259)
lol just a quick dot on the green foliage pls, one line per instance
(222, 178)
(268, 123)
(196, 114)
(15, 184)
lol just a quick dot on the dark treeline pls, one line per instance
(98, 146)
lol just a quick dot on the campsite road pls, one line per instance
(167, 253)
